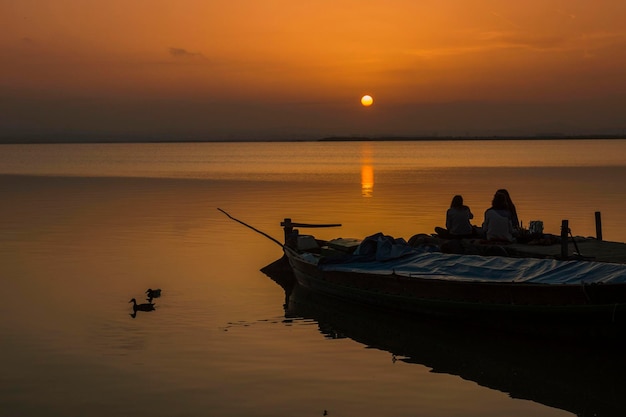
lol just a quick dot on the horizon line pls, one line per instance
(77, 139)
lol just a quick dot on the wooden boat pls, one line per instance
(582, 299)
(525, 295)
(581, 378)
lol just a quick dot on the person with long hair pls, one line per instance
(511, 207)
(497, 225)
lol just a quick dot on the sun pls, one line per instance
(367, 100)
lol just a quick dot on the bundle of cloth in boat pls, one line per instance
(381, 247)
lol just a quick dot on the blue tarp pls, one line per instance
(382, 254)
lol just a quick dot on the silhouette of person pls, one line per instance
(511, 206)
(458, 218)
(497, 225)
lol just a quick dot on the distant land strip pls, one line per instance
(69, 139)
(458, 138)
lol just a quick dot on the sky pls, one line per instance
(285, 69)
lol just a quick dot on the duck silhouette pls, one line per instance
(153, 293)
(140, 307)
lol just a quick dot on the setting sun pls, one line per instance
(367, 100)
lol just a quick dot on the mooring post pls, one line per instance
(564, 232)
(287, 227)
(598, 225)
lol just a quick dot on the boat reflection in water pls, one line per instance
(587, 379)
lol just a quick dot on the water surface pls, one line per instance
(84, 228)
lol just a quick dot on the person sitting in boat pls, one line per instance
(458, 218)
(514, 219)
(497, 225)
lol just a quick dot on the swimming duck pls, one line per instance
(153, 293)
(141, 307)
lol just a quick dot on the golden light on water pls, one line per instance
(367, 172)
(367, 180)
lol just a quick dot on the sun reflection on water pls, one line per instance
(367, 180)
(367, 172)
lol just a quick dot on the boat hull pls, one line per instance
(595, 310)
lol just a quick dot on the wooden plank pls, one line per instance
(596, 250)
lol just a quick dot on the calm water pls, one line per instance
(85, 228)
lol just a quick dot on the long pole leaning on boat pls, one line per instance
(253, 228)
(287, 224)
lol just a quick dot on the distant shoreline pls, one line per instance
(83, 140)
(468, 138)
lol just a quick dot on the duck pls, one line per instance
(153, 293)
(141, 307)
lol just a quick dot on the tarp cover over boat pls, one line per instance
(384, 255)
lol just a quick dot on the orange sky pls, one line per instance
(280, 68)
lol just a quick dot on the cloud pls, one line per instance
(183, 53)
(502, 40)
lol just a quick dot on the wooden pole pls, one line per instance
(598, 225)
(287, 228)
(564, 232)
(253, 228)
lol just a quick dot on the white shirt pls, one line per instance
(497, 227)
